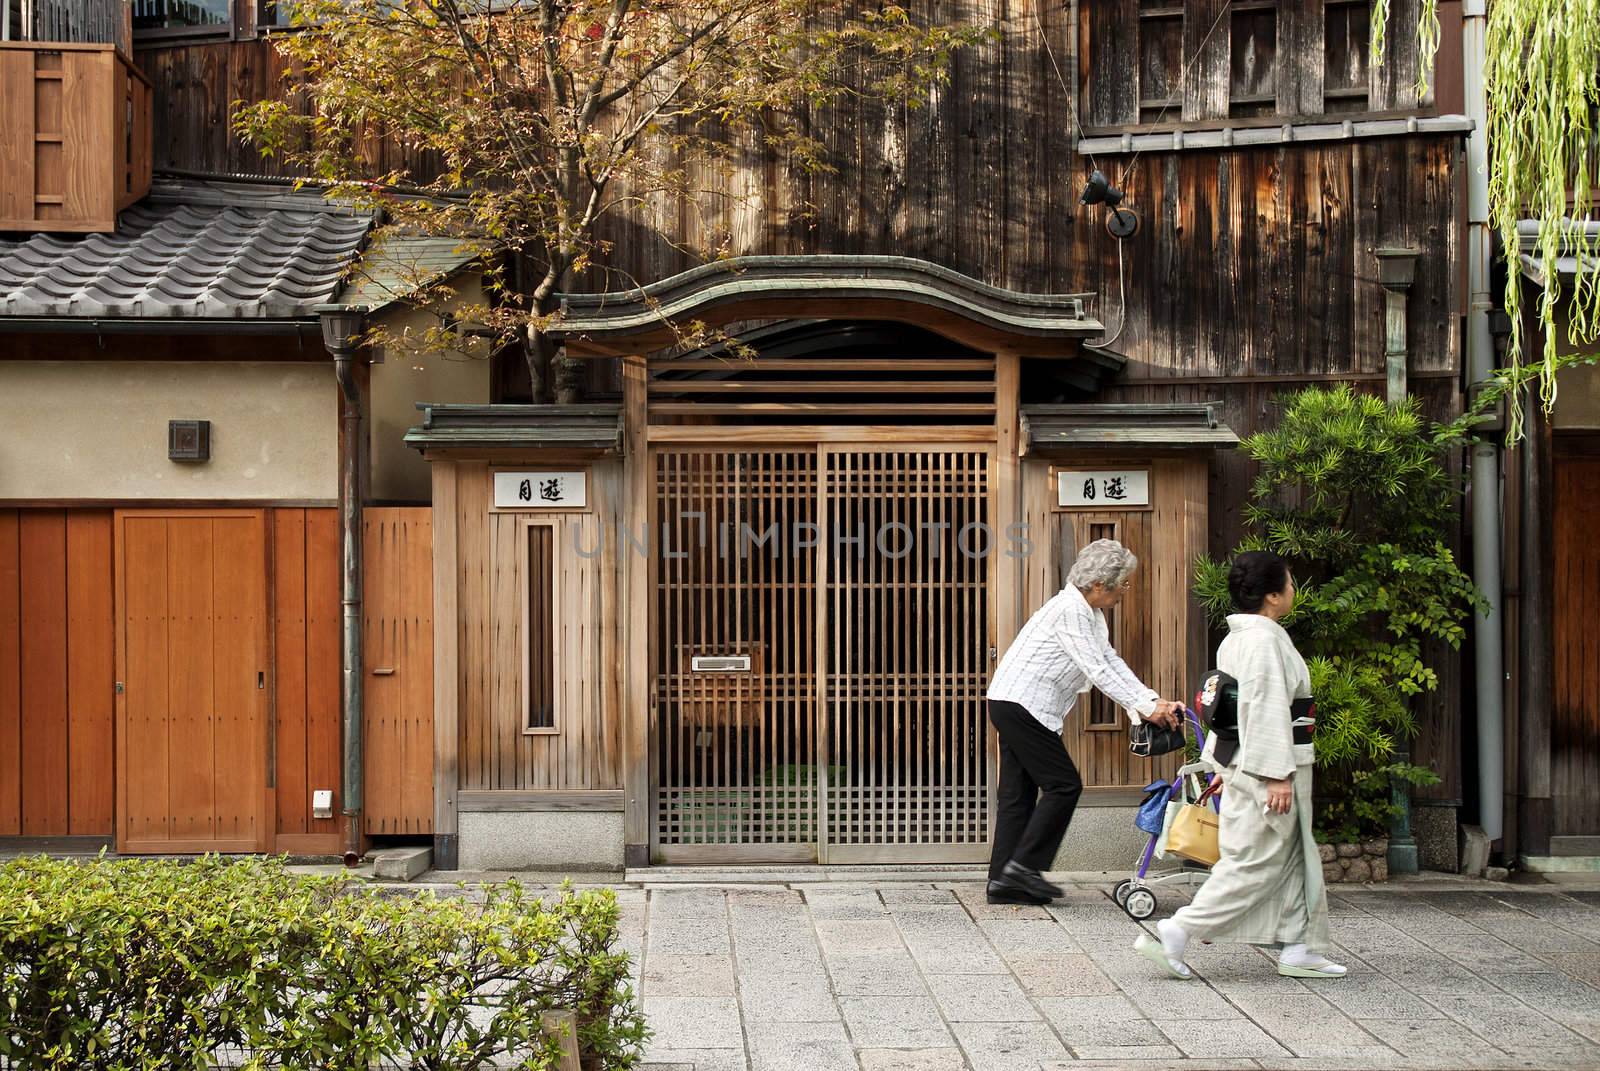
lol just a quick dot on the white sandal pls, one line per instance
(1320, 967)
(1154, 951)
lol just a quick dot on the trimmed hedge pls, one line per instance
(150, 964)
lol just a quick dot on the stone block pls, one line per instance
(401, 864)
(541, 840)
(1474, 851)
(1332, 873)
(1326, 851)
(1348, 851)
(1359, 870)
(1380, 869)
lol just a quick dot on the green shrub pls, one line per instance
(139, 964)
(1355, 494)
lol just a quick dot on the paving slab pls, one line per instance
(984, 998)
(934, 1059)
(1221, 1037)
(1009, 1046)
(902, 1022)
(801, 1047)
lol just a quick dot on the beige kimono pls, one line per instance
(1267, 886)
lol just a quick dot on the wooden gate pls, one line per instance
(192, 659)
(822, 641)
(1575, 721)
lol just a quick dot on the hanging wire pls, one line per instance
(1183, 78)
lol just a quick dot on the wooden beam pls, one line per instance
(828, 386)
(513, 802)
(827, 364)
(446, 671)
(820, 409)
(722, 435)
(636, 712)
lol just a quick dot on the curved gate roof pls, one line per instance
(829, 286)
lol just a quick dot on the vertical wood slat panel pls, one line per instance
(324, 732)
(239, 693)
(416, 791)
(1110, 62)
(397, 637)
(144, 725)
(1208, 59)
(91, 672)
(10, 676)
(1302, 64)
(191, 615)
(1575, 722)
(42, 539)
(289, 670)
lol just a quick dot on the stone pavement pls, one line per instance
(900, 976)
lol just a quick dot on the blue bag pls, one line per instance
(1153, 811)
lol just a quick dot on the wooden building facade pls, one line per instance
(948, 339)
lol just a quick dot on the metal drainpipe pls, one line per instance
(1486, 482)
(344, 356)
(1397, 270)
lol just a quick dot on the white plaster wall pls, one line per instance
(98, 430)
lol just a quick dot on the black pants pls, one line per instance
(1039, 789)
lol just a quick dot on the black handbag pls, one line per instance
(1149, 740)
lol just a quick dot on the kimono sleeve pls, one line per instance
(1266, 737)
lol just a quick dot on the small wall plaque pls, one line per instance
(189, 440)
(1103, 489)
(719, 663)
(541, 490)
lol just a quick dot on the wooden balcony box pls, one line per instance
(74, 136)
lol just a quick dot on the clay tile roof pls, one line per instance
(218, 251)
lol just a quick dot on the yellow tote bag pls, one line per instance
(1194, 831)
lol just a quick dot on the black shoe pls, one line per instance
(1001, 892)
(1028, 880)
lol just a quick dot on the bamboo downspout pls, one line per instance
(350, 434)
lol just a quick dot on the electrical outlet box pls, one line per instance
(322, 803)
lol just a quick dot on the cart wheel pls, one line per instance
(1120, 893)
(1141, 904)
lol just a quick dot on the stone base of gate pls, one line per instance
(541, 840)
(1102, 838)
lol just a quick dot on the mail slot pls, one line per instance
(720, 663)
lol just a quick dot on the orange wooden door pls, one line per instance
(192, 658)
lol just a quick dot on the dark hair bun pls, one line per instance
(1255, 575)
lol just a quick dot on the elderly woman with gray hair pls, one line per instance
(1063, 651)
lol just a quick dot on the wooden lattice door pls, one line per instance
(823, 636)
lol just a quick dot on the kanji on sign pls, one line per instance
(540, 490)
(1088, 489)
(1115, 490)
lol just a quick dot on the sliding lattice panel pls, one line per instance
(907, 654)
(855, 582)
(736, 752)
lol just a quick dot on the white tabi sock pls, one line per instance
(1174, 939)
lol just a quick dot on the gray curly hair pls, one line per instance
(1105, 562)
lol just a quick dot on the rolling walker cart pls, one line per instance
(1135, 894)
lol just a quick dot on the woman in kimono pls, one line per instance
(1266, 887)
